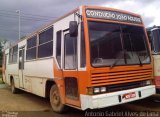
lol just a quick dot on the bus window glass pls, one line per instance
(46, 36)
(117, 44)
(156, 40)
(32, 42)
(149, 34)
(31, 54)
(135, 44)
(45, 50)
(31, 48)
(58, 47)
(45, 47)
(13, 53)
(70, 44)
(10, 55)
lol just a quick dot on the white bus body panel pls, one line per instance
(36, 74)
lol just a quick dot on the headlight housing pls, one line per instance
(148, 82)
(96, 90)
(103, 89)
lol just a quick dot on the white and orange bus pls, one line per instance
(93, 57)
(154, 37)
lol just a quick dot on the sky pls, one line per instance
(35, 13)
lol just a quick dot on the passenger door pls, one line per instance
(21, 66)
(70, 68)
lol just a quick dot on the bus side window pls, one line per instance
(31, 48)
(58, 47)
(45, 46)
(155, 41)
(70, 50)
(150, 39)
(13, 53)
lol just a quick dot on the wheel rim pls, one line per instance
(56, 98)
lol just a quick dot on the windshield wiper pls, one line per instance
(117, 60)
(132, 44)
(124, 54)
(140, 62)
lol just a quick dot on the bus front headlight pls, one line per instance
(99, 90)
(148, 82)
(96, 90)
(103, 89)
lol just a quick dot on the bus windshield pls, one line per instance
(117, 44)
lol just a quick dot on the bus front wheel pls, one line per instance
(55, 100)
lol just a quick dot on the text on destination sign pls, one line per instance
(113, 15)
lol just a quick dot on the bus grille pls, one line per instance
(99, 78)
(125, 86)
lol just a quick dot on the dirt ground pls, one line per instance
(27, 105)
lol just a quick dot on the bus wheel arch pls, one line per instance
(13, 88)
(11, 78)
(52, 91)
(49, 84)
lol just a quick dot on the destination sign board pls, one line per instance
(113, 15)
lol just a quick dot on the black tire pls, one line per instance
(55, 100)
(13, 88)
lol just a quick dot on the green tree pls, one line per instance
(2, 44)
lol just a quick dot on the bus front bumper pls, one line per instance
(115, 98)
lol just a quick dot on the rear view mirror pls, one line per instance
(73, 28)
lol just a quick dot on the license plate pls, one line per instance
(129, 95)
